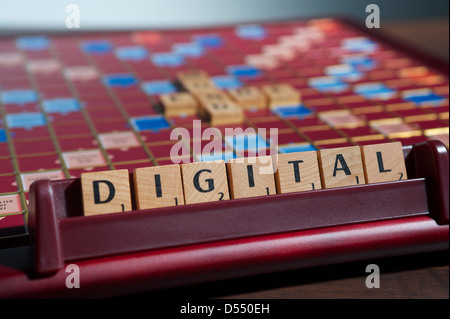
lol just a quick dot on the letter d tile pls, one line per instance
(106, 192)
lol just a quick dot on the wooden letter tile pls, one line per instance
(223, 113)
(106, 192)
(158, 186)
(282, 95)
(204, 182)
(192, 75)
(384, 162)
(250, 177)
(341, 167)
(200, 86)
(176, 104)
(297, 172)
(249, 97)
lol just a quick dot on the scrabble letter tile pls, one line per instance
(223, 113)
(106, 192)
(250, 177)
(179, 104)
(204, 182)
(384, 162)
(249, 97)
(282, 95)
(158, 186)
(341, 167)
(297, 172)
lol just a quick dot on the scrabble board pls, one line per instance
(88, 102)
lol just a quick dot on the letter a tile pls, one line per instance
(341, 167)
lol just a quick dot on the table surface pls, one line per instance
(421, 276)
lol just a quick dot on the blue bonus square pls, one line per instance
(226, 82)
(2, 135)
(345, 72)
(25, 120)
(96, 47)
(246, 142)
(61, 106)
(360, 62)
(377, 91)
(212, 41)
(243, 71)
(33, 43)
(136, 53)
(168, 59)
(298, 112)
(252, 31)
(360, 44)
(294, 148)
(191, 50)
(119, 80)
(158, 87)
(328, 84)
(19, 97)
(431, 99)
(149, 123)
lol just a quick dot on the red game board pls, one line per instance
(89, 102)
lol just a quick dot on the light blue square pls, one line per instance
(297, 112)
(119, 80)
(19, 97)
(359, 45)
(360, 62)
(61, 106)
(294, 148)
(212, 41)
(168, 59)
(99, 47)
(191, 50)
(246, 142)
(251, 32)
(2, 135)
(33, 43)
(134, 53)
(149, 123)
(226, 82)
(328, 84)
(375, 91)
(349, 73)
(158, 87)
(27, 120)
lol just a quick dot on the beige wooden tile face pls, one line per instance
(384, 162)
(297, 172)
(106, 192)
(179, 103)
(251, 177)
(281, 95)
(223, 113)
(204, 182)
(192, 75)
(200, 86)
(158, 186)
(249, 97)
(341, 167)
